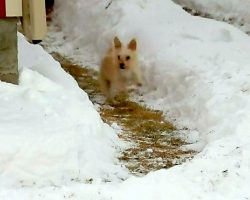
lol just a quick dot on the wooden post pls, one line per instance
(33, 20)
(8, 50)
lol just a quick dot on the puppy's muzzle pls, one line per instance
(122, 66)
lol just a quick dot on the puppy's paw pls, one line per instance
(132, 88)
(139, 84)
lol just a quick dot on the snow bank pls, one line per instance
(233, 11)
(50, 133)
(196, 69)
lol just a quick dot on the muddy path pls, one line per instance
(155, 143)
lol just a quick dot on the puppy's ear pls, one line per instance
(132, 45)
(117, 43)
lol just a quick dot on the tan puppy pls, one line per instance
(119, 68)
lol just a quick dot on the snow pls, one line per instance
(233, 11)
(221, 171)
(196, 70)
(50, 132)
(191, 65)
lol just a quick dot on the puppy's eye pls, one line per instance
(119, 57)
(127, 57)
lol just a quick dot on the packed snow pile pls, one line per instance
(232, 11)
(50, 132)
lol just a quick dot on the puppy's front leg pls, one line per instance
(121, 86)
(137, 76)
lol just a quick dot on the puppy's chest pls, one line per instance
(125, 74)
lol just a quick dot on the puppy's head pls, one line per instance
(125, 56)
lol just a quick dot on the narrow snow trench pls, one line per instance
(155, 143)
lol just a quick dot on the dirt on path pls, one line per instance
(155, 143)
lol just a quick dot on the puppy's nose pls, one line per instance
(122, 66)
